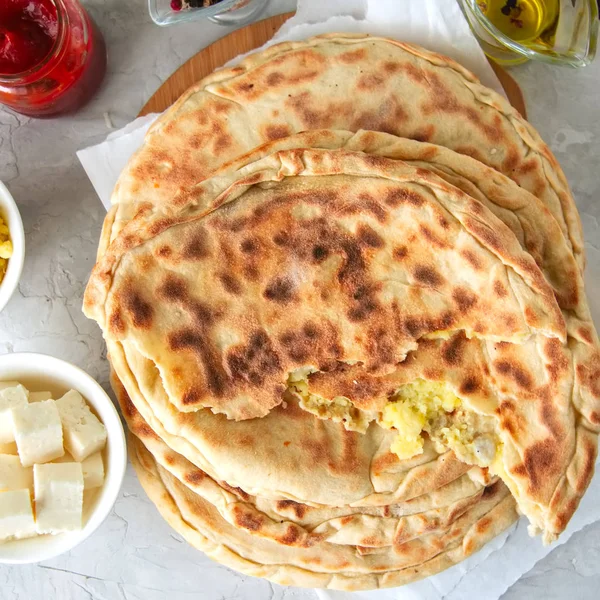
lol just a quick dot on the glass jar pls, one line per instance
(70, 72)
(562, 32)
(223, 12)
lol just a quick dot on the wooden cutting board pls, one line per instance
(246, 39)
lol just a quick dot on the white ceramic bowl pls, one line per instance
(10, 213)
(39, 372)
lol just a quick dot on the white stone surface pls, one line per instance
(135, 555)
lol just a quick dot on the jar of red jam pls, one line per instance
(52, 56)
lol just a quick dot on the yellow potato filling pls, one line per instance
(417, 408)
(432, 407)
(6, 248)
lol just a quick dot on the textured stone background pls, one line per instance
(135, 555)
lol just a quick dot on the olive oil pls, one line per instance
(524, 21)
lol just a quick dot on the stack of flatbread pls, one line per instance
(341, 289)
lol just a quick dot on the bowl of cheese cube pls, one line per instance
(62, 457)
(12, 245)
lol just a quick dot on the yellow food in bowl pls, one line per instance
(6, 248)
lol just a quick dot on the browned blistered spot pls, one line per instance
(140, 311)
(250, 246)
(115, 323)
(442, 222)
(585, 334)
(286, 444)
(299, 509)
(291, 536)
(397, 196)
(587, 469)
(235, 490)
(391, 67)
(251, 272)
(368, 236)
(195, 477)
(221, 107)
(469, 385)
(425, 134)
(221, 143)
(564, 516)
(464, 298)
(452, 350)
(387, 117)
(281, 239)
(352, 56)
(320, 252)
(230, 283)
(280, 290)
(540, 463)
(194, 340)
(172, 289)
(159, 226)
(472, 259)
(369, 81)
(144, 430)
(441, 98)
(487, 235)
(370, 541)
(499, 289)
(274, 78)
(276, 132)
(400, 252)
(595, 417)
(512, 369)
(428, 276)
(164, 252)
(256, 360)
(512, 159)
(244, 86)
(247, 520)
(195, 248)
(432, 237)
(483, 524)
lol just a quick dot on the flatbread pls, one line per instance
(296, 524)
(324, 565)
(549, 500)
(304, 213)
(339, 81)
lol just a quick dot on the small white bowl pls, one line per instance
(10, 213)
(39, 372)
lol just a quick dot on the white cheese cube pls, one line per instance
(66, 457)
(16, 516)
(93, 471)
(39, 396)
(38, 432)
(13, 475)
(8, 384)
(84, 433)
(11, 396)
(10, 448)
(58, 497)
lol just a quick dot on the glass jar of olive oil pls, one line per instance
(555, 31)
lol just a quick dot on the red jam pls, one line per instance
(28, 31)
(52, 56)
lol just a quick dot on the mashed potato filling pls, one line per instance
(415, 409)
(432, 407)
